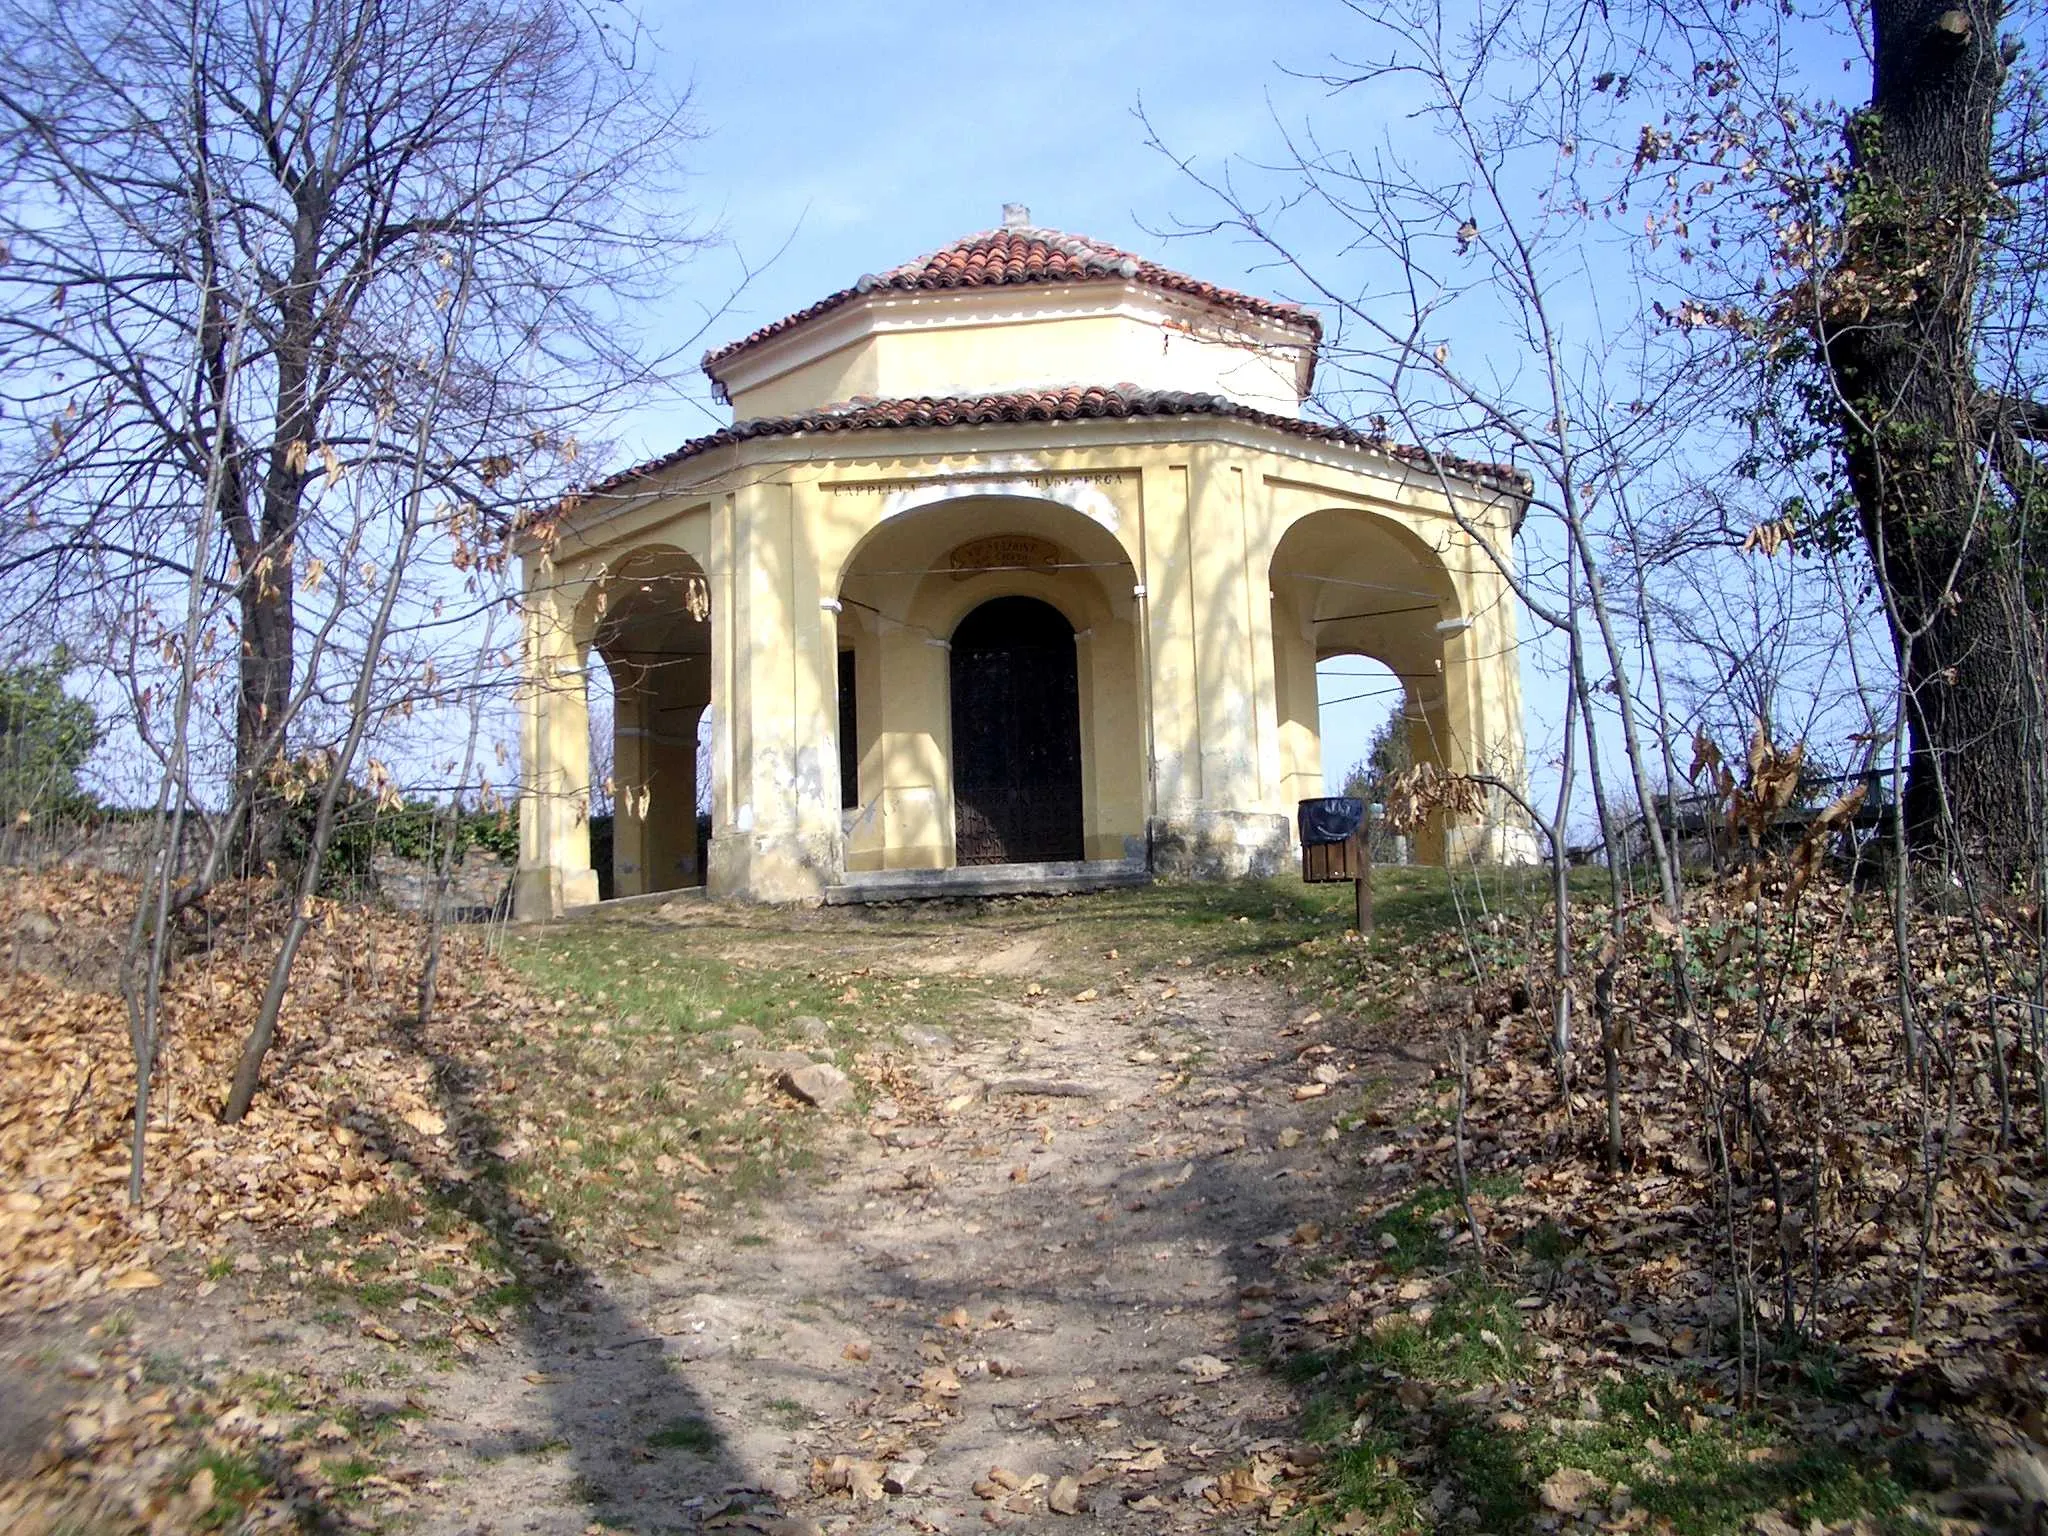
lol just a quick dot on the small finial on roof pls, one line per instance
(1016, 216)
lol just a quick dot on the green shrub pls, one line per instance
(45, 738)
(414, 830)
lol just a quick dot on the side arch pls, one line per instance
(646, 615)
(1349, 581)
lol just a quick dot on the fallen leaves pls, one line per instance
(1064, 1498)
(66, 1093)
(356, 1111)
(126, 1455)
(1570, 1490)
(1256, 1484)
(860, 1478)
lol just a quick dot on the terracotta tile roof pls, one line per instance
(1057, 405)
(1002, 257)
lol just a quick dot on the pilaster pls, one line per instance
(554, 810)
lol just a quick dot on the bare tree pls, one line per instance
(297, 175)
(412, 519)
(1879, 265)
(1427, 239)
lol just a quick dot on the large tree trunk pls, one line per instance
(1899, 333)
(264, 698)
(270, 567)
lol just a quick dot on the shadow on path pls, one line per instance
(593, 1407)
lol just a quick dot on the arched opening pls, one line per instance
(1364, 727)
(1360, 704)
(918, 657)
(648, 620)
(1364, 614)
(601, 708)
(1016, 722)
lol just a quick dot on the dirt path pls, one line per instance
(1035, 1287)
(1060, 1274)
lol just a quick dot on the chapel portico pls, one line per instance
(948, 606)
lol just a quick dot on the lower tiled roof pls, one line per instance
(1058, 405)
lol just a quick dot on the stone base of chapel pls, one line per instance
(779, 868)
(1222, 845)
(540, 891)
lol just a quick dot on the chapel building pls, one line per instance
(1012, 572)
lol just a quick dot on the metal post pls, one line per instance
(1362, 838)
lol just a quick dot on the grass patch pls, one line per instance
(1367, 1477)
(1297, 932)
(513, 1293)
(1412, 1235)
(379, 1296)
(267, 1390)
(629, 1110)
(789, 1414)
(238, 1481)
(1708, 1472)
(348, 1476)
(688, 1434)
(1395, 1409)
(162, 1368)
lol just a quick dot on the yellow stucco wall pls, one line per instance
(1204, 553)
(1206, 564)
(981, 342)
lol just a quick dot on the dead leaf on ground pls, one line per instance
(1570, 1490)
(1064, 1498)
(1202, 1367)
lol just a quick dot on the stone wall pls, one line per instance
(479, 888)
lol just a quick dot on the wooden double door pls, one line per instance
(1016, 735)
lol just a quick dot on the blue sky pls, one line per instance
(875, 132)
(866, 134)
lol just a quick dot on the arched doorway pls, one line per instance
(648, 618)
(1016, 735)
(905, 591)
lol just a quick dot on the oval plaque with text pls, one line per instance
(1004, 552)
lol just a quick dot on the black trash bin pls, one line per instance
(1329, 820)
(1333, 847)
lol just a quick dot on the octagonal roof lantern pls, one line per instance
(1022, 307)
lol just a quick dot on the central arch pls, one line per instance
(1016, 726)
(910, 592)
